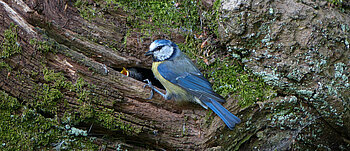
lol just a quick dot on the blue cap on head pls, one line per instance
(165, 42)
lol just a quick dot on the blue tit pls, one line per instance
(183, 81)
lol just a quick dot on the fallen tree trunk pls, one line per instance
(61, 86)
(63, 45)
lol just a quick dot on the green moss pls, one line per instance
(10, 45)
(9, 103)
(33, 124)
(23, 128)
(164, 15)
(51, 96)
(215, 15)
(58, 80)
(48, 95)
(229, 78)
(147, 17)
(336, 2)
(44, 46)
(109, 120)
(90, 112)
(86, 10)
(48, 99)
(4, 65)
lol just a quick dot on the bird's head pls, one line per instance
(162, 50)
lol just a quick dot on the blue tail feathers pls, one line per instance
(229, 119)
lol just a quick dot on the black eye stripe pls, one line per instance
(159, 47)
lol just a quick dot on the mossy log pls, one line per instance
(64, 68)
(54, 37)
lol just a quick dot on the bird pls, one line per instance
(133, 73)
(183, 81)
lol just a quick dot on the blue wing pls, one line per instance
(183, 73)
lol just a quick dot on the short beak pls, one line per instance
(125, 72)
(148, 53)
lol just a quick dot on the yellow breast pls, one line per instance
(171, 89)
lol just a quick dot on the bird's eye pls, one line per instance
(159, 47)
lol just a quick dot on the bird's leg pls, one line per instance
(149, 84)
(163, 95)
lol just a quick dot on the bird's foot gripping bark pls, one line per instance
(149, 84)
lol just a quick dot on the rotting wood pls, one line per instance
(162, 122)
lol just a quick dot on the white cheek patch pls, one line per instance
(164, 53)
(152, 46)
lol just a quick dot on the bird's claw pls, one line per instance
(149, 84)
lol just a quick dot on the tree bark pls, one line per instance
(79, 61)
(163, 124)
